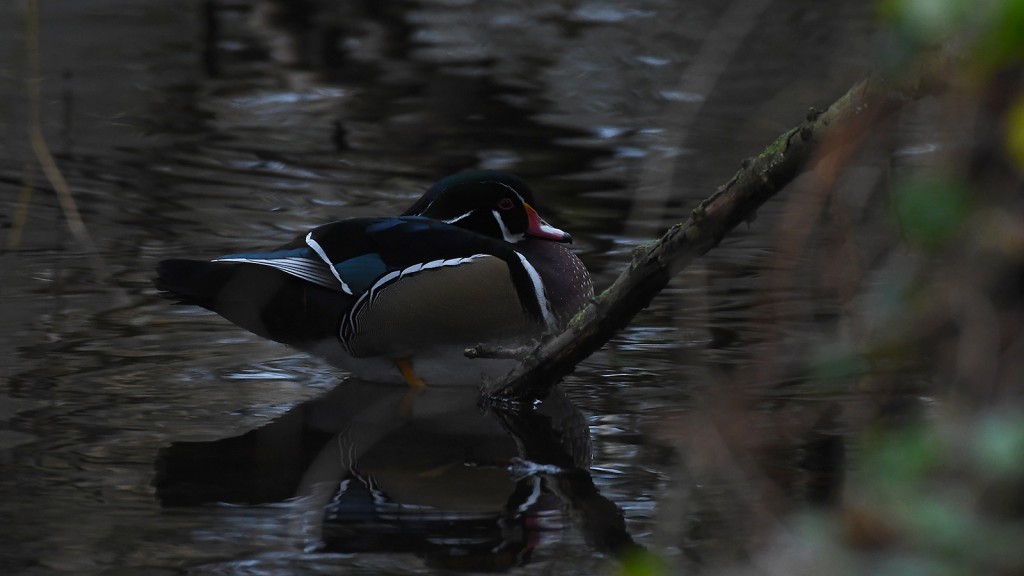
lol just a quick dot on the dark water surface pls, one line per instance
(123, 419)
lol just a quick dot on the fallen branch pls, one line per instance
(760, 178)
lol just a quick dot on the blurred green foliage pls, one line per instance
(989, 32)
(930, 208)
(942, 491)
(936, 489)
(642, 563)
(1015, 133)
(935, 483)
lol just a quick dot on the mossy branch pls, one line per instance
(760, 178)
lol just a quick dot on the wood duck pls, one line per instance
(470, 262)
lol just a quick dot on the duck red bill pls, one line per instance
(538, 228)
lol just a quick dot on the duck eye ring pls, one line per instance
(505, 204)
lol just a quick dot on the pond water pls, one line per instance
(140, 437)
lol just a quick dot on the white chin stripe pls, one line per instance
(323, 256)
(505, 233)
(538, 290)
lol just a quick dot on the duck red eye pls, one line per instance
(505, 204)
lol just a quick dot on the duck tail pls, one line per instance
(194, 281)
(261, 299)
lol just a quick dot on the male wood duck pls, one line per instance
(400, 298)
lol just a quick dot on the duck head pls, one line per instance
(495, 204)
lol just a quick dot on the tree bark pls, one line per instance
(839, 127)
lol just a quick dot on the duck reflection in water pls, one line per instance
(433, 475)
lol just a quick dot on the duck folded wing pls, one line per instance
(262, 299)
(388, 251)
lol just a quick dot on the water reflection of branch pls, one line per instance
(21, 210)
(38, 142)
(862, 107)
(47, 163)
